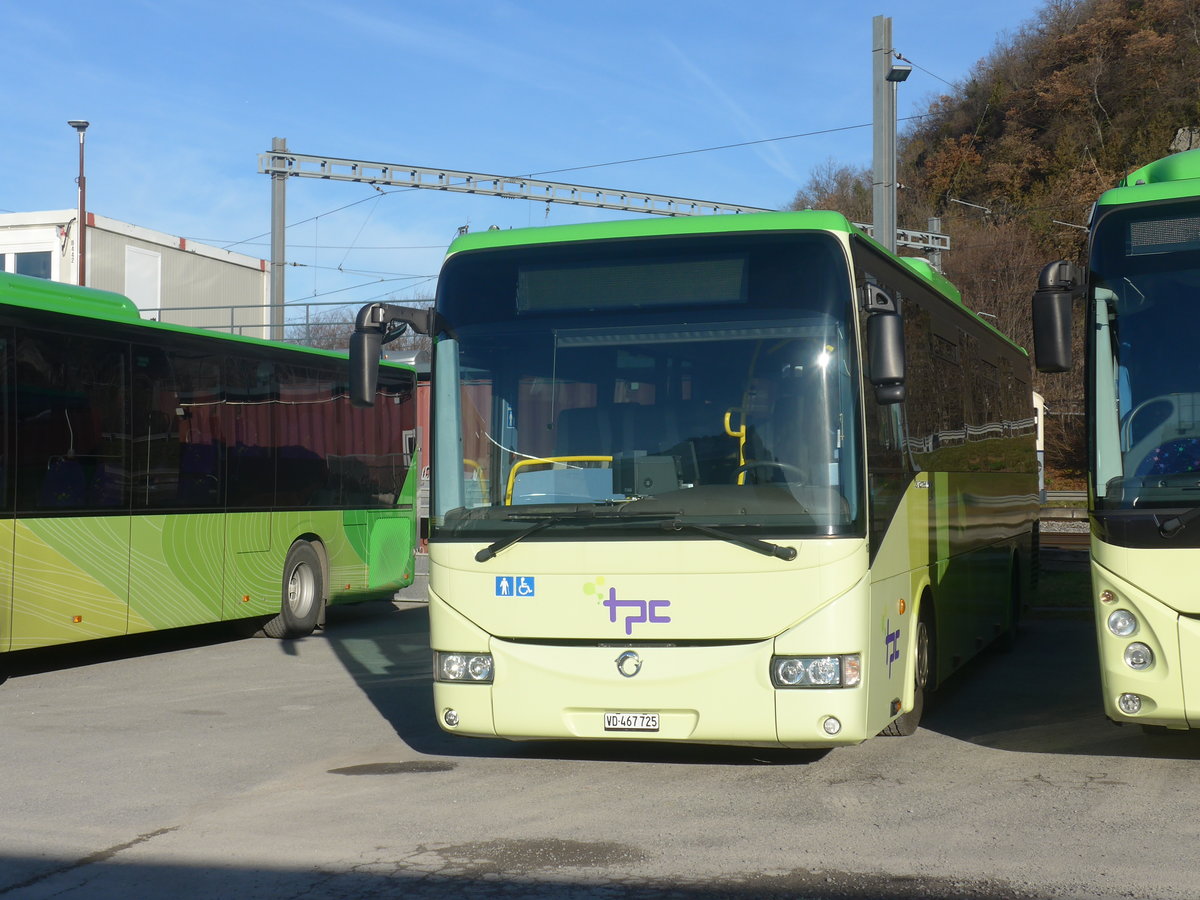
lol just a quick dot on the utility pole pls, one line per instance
(934, 255)
(279, 176)
(886, 74)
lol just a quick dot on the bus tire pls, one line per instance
(923, 650)
(303, 594)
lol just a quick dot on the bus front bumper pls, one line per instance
(1165, 688)
(706, 694)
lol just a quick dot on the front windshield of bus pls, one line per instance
(644, 386)
(1146, 411)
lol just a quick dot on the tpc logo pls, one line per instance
(891, 644)
(643, 610)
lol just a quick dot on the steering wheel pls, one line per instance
(785, 468)
(1159, 451)
(1169, 400)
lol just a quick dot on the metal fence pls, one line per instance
(305, 323)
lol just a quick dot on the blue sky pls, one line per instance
(183, 97)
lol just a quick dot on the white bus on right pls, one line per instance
(1142, 376)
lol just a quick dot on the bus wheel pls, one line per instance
(303, 594)
(907, 723)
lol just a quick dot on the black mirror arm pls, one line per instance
(391, 321)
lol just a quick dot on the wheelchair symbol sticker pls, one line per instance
(515, 586)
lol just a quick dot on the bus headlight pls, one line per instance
(458, 667)
(1130, 704)
(1122, 622)
(1139, 656)
(816, 671)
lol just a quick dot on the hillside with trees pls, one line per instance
(1012, 159)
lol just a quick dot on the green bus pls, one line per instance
(156, 476)
(731, 479)
(1142, 386)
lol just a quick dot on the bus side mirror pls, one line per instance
(885, 356)
(364, 366)
(1058, 286)
(375, 325)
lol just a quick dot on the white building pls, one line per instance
(170, 278)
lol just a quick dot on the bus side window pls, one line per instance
(155, 464)
(71, 423)
(305, 438)
(251, 392)
(201, 447)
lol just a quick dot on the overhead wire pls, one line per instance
(617, 162)
(380, 192)
(678, 153)
(302, 300)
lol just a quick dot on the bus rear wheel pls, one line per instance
(302, 596)
(907, 723)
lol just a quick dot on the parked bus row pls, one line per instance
(737, 479)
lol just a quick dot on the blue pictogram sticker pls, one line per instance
(515, 586)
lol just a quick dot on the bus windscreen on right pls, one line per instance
(1145, 308)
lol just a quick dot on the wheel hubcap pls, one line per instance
(922, 655)
(301, 591)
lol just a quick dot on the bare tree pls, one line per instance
(331, 330)
(328, 330)
(839, 188)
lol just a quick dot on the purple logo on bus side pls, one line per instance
(644, 610)
(891, 644)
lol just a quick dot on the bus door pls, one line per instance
(6, 581)
(252, 570)
(177, 532)
(7, 524)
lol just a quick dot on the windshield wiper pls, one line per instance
(1168, 528)
(670, 522)
(496, 546)
(546, 520)
(787, 554)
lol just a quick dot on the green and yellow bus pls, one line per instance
(1143, 412)
(732, 479)
(156, 476)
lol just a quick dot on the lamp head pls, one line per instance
(79, 125)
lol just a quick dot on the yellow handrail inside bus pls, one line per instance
(740, 434)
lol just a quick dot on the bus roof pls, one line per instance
(658, 226)
(1170, 178)
(665, 226)
(71, 300)
(54, 296)
(653, 226)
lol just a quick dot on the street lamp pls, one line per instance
(81, 126)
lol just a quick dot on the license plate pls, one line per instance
(630, 721)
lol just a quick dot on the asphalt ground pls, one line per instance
(203, 764)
